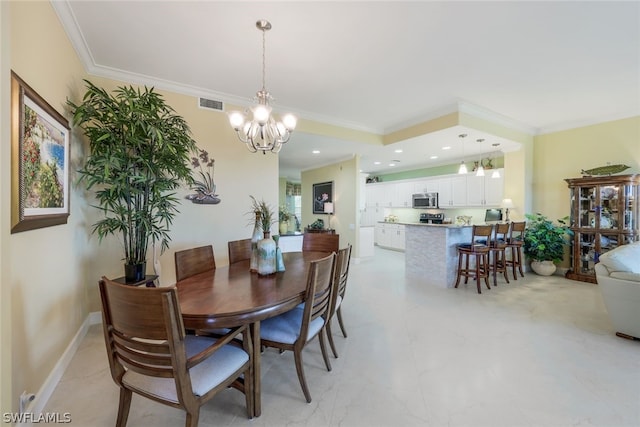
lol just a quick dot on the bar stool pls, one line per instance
(498, 252)
(514, 244)
(479, 249)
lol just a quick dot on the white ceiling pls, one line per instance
(378, 66)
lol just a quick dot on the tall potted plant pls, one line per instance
(140, 152)
(544, 242)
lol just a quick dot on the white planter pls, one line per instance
(543, 268)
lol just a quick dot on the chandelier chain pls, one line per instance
(264, 60)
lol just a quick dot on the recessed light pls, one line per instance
(433, 157)
(392, 164)
(446, 148)
(399, 150)
(376, 163)
(316, 151)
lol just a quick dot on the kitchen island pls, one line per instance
(430, 251)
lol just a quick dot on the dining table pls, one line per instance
(233, 296)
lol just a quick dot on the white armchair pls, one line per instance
(618, 276)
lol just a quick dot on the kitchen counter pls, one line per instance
(430, 251)
(421, 224)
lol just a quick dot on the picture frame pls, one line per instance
(322, 193)
(39, 161)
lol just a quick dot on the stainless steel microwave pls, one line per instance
(425, 201)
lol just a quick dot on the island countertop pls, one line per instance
(431, 251)
(422, 224)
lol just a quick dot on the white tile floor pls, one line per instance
(536, 352)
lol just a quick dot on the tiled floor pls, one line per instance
(536, 352)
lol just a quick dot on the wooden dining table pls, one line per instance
(233, 296)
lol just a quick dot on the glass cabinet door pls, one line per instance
(586, 207)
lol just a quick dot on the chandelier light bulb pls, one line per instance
(261, 114)
(289, 121)
(236, 118)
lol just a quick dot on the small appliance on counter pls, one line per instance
(424, 201)
(431, 218)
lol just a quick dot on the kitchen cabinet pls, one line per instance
(605, 213)
(390, 236)
(401, 194)
(427, 185)
(484, 190)
(452, 191)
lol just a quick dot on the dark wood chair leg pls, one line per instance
(330, 338)
(300, 370)
(339, 313)
(123, 407)
(323, 348)
(459, 271)
(479, 262)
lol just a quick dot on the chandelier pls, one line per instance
(256, 127)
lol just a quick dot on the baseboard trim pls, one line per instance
(45, 392)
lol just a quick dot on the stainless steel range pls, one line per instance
(431, 218)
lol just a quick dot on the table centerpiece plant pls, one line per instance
(139, 154)
(266, 248)
(544, 242)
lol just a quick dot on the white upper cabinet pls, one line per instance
(401, 196)
(484, 190)
(452, 191)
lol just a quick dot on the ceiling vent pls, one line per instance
(210, 104)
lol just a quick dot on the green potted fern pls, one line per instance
(544, 242)
(140, 152)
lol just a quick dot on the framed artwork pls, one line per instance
(322, 193)
(39, 161)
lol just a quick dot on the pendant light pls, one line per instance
(496, 172)
(463, 168)
(480, 170)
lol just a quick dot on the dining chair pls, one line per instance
(515, 241)
(151, 355)
(190, 262)
(239, 250)
(321, 242)
(297, 327)
(478, 250)
(343, 258)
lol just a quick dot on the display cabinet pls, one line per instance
(605, 213)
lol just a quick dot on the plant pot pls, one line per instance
(284, 227)
(135, 272)
(543, 268)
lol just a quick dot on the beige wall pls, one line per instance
(564, 154)
(51, 274)
(6, 392)
(345, 176)
(46, 268)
